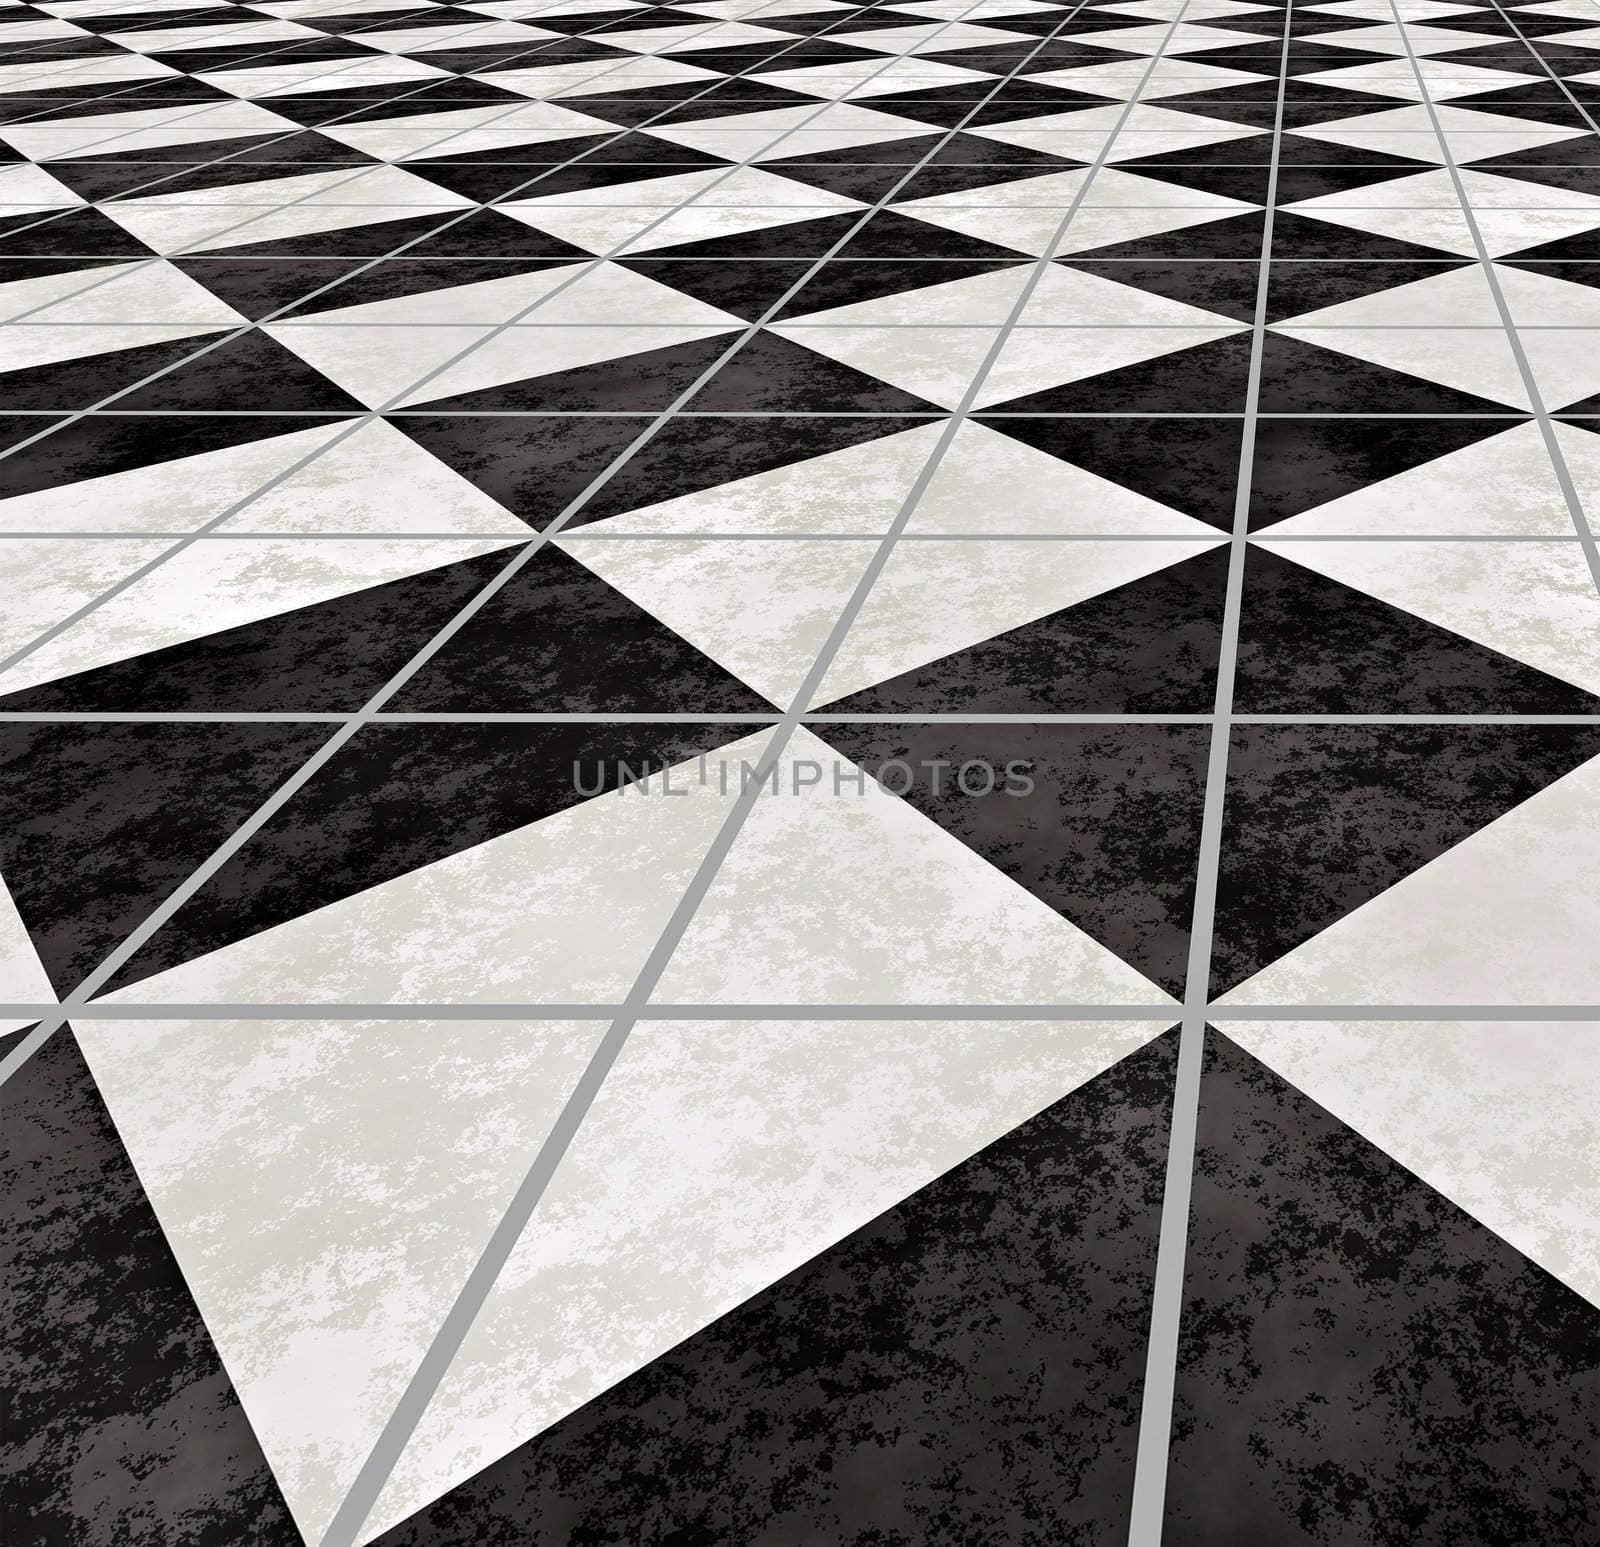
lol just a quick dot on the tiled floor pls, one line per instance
(776, 772)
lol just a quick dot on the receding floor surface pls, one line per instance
(779, 773)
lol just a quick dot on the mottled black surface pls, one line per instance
(1209, 378)
(1309, 645)
(1321, 818)
(774, 375)
(121, 1428)
(645, 383)
(329, 656)
(556, 637)
(965, 1369)
(101, 444)
(1190, 464)
(1107, 837)
(400, 796)
(1303, 462)
(1360, 1362)
(1147, 647)
(537, 466)
(1302, 378)
(99, 822)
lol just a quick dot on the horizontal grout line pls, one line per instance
(1215, 1011)
(999, 411)
(820, 716)
(666, 255)
(1224, 325)
(596, 531)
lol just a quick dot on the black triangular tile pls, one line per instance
(647, 382)
(1147, 647)
(917, 168)
(1254, 104)
(678, 102)
(226, 163)
(967, 1367)
(1298, 286)
(1549, 106)
(1227, 287)
(122, 1423)
(249, 372)
(1567, 164)
(1207, 378)
(1190, 464)
(1107, 835)
(1297, 236)
(705, 450)
(1232, 237)
(1357, 1354)
(326, 657)
(950, 106)
(771, 374)
(1322, 818)
(1301, 463)
(1302, 378)
(400, 796)
(77, 233)
(91, 378)
(100, 444)
(1310, 645)
(536, 467)
(557, 638)
(746, 288)
(102, 821)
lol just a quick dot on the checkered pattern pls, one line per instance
(784, 770)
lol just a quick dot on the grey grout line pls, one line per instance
(1168, 1013)
(800, 324)
(690, 536)
(288, 48)
(386, 1452)
(510, 109)
(1486, 262)
(1152, 1457)
(819, 716)
(487, 336)
(263, 813)
(367, 165)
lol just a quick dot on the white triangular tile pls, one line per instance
(759, 608)
(814, 901)
(934, 598)
(859, 489)
(1534, 601)
(217, 584)
(989, 484)
(326, 1187)
(1505, 486)
(23, 979)
(562, 911)
(718, 1157)
(1498, 1116)
(46, 579)
(1506, 917)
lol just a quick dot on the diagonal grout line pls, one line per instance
(286, 791)
(1530, 385)
(580, 271)
(336, 69)
(519, 60)
(370, 165)
(1166, 1303)
(385, 1455)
